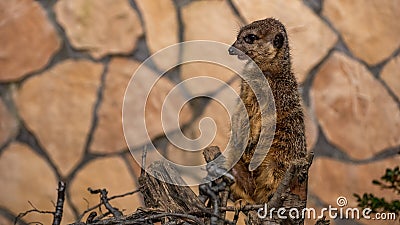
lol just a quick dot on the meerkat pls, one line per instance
(266, 43)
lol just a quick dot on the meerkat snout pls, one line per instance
(265, 42)
(232, 51)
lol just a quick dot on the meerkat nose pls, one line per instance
(232, 51)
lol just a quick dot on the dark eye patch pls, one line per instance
(278, 40)
(250, 38)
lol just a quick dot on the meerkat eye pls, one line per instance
(250, 38)
(278, 40)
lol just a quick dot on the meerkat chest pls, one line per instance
(254, 119)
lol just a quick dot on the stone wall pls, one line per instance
(65, 64)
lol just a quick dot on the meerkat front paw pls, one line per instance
(301, 166)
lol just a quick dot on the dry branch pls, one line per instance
(166, 196)
(60, 203)
(176, 204)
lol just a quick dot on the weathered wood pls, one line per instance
(211, 153)
(165, 196)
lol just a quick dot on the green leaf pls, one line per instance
(376, 182)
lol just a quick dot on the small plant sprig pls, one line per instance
(390, 180)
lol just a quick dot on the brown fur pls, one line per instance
(289, 143)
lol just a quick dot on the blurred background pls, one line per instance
(64, 67)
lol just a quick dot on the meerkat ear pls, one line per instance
(278, 40)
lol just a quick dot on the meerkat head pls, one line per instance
(265, 42)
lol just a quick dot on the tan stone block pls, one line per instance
(57, 106)
(310, 38)
(330, 179)
(216, 131)
(207, 72)
(311, 127)
(214, 21)
(369, 28)
(353, 108)
(390, 74)
(188, 156)
(222, 120)
(109, 136)
(212, 127)
(203, 134)
(6, 221)
(8, 124)
(25, 176)
(161, 28)
(109, 173)
(134, 165)
(28, 40)
(210, 20)
(100, 27)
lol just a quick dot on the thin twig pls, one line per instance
(144, 155)
(34, 209)
(91, 217)
(123, 195)
(210, 213)
(103, 196)
(109, 199)
(60, 203)
(236, 217)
